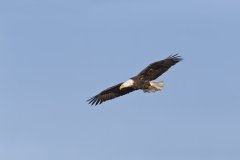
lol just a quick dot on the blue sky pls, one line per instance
(54, 55)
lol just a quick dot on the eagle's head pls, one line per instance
(126, 84)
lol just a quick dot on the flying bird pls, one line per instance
(142, 81)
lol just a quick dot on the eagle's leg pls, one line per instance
(154, 86)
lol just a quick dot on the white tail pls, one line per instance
(154, 86)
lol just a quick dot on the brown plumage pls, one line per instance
(110, 93)
(141, 81)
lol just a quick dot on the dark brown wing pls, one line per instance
(156, 69)
(109, 93)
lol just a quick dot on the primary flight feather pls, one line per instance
(141, 81)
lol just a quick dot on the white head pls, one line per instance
(128, 83)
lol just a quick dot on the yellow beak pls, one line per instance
(121, 87)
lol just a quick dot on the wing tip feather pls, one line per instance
(94, 101)
(175, 57)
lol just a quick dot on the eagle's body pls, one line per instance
(145, 85)
(142, 81)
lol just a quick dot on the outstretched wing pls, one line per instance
(109, 93)
(154, 70)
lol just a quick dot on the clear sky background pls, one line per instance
(55, 54)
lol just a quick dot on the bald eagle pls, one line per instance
(141, 81)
